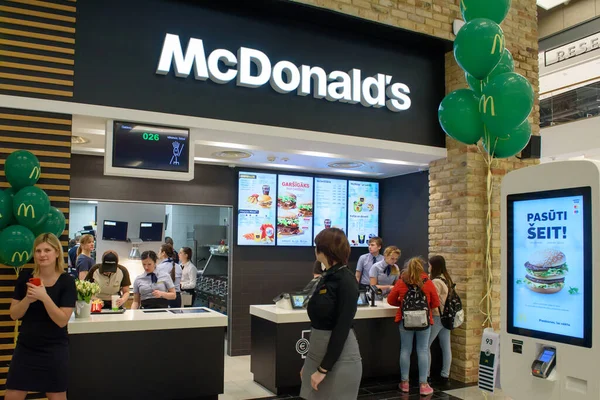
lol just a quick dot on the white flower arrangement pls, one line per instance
(85, 290)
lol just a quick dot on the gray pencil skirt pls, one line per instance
(343, 381)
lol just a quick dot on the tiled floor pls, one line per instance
(239, 385)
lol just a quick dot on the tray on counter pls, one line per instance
(109, 311)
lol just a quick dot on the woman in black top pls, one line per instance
(41, 358)
(333, 367)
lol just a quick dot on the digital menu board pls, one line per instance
(549, 265)
(294, 210)
(363, 212)
(256, 209)
(331, 197)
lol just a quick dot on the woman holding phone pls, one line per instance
(44, 300)
(153, 288)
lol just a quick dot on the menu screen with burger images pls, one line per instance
(548, 265)
(294, 210)
(363, 212)
(331, 196)
(256, 209)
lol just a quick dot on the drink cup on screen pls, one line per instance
(113, 300)
(327, 223)
(361, 239)
(266, 189)
(35, 281)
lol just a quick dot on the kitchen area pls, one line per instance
(204, 229)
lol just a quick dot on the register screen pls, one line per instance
(549, 264)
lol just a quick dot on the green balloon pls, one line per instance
(22, 169)
(11, 192)
(31, 206)
(510, 146)
(17, 245)
(6, 209)
(506, 64)
(479, 46)
(459, 116)
(496, 10)
(506, 102)
(53, 223)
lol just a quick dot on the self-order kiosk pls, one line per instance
(550, 344)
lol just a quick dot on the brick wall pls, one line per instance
(457, 184)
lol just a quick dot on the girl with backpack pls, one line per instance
(416, 296)
(442, 281)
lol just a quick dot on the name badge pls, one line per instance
(322, 291)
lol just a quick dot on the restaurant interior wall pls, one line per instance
(81, 214)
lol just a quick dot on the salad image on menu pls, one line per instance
(294, 210)
(256, 209)
(363, 212)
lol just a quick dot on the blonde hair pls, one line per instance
(415, 268)
(390, 250)
(53, 241)
(85, 239)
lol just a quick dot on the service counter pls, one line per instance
(145, 354)
(280, 340)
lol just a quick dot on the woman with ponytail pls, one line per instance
(168, 265)
(85, 262)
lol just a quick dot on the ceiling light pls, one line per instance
(232, 154)
(344, 171)
(210, 160)
(92, 202)
(226, 145)
(317, 154)
(346, 164)
(548, 4)
(286, 166)
(399, 162)
(79, 140)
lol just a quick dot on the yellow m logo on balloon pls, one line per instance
(25, 208)
(35, 173)
(23, 256)
(498, 40)
(483, 105)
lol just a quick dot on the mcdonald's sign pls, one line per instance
(483, 105)
(23, 256)
(498, 40)
(35, 173)
(25, 208)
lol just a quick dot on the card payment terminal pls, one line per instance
(544, 363)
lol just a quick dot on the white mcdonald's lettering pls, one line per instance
(498, 39)
(35, 172)
(26, 208)
(23, 256)
(483, 103)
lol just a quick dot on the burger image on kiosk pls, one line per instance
(265, 201)
(286, 201)
(546, 271)
(288, 224)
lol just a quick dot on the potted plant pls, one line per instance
(85, 291)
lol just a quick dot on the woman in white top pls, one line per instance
(441, 279)
(190, 273)
(168, 265)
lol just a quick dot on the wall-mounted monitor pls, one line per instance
(256, 209)
(148, 151)
(549, 265)
(114, 230)
(363, 212)
(151, 231)
(331, 197)
(294, 210)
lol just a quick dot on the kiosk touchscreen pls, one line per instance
(549, 220)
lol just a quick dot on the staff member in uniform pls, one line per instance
(40, 362)
(168, 265)
(190, 273)
(112, 278)
(366, 261)
(152, 289)
(333, 366)
(386, 273)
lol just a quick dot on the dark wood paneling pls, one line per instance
(48, 136)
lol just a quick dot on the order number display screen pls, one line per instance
(549, 265)
(157, 148)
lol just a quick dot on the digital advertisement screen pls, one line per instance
(363, 212)
(151, 231)
(294, 210)
(114, 230)
(331, 197)
(150, 147)
(549, 265)
(256, 209)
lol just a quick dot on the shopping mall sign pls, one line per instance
(284, 76)
(572, 49)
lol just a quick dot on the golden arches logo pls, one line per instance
(498, 40)
(25, 208)
(35, 173)
(23, 256)
(483, 105)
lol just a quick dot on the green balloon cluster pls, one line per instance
(496, 107)
(25, 210)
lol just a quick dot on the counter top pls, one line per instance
(138, 320)
(281, 316)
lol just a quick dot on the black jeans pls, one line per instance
(177, 302)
